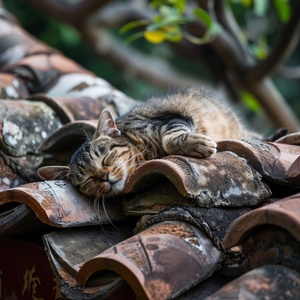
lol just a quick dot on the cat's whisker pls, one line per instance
(95, 208)
(61, 174)
(106, 214)
(121, 163)
(128, 168)
(85, 133)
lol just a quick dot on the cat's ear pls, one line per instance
(106, 125)
(54, 172)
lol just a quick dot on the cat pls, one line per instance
(188, 122)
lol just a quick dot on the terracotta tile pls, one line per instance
(77, 85)
(291, 139)
(23, 126)
(293, 172)
(19, 133)
(17, 42)
(209, 182)
(272, 160)
(71, 109)
(58, 204)
(267, 282)
(17, 219)
(12, 87)
(151, 261)
(270, 245)
(284, 214)
(67, 250)
(68, 134)
(9, 176)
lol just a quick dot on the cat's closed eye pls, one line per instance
(81, 166)
(108, 160)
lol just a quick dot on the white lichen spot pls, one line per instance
(71, 85)
(11, 92)
(193, 241)
(16, 83)
(12, 132)
(6, 181)
(44, 134)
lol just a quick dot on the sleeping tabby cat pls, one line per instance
(185, 123)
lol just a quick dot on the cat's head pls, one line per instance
(101, 166)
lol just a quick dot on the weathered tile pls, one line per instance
(15, 42)
(69, 134)
(58, 204)
(24, 125)
(266, 282)
(293, 172)
(67, 250)
(9, 176)
(17, 219)
(151, 261)
(291, 139)
(268, 245)
(222, 180)
(214, 222)
(42, 70)
(77, 85)
(12, 87)
(70, 109)
(284, 213)
(272, 160)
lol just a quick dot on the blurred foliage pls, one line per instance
(65, 38)
(166, 25)
(260, 22)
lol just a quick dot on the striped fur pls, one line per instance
(186, 123)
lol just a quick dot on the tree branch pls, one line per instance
(285, 44)
(274, 104)
(64, 10)
(288, 72)
(133, 62)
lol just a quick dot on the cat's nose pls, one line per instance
(102, 176)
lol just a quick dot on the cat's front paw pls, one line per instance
(201, 146)
(190, 144)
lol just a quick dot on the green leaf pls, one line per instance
(179, 4)
(213, 28)
(134, 37)
(260, 50)
(166, 11)
(246, 3)
(283, 10)
(251, 102)
(203, 16)
(69, 35)
(156, 3)
(168, 21)
(132, 25)
(261, 7)
(173, 34)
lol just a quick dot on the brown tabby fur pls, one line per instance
(185, 123)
